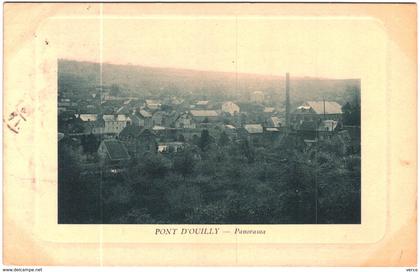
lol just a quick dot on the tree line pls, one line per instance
(218, 181)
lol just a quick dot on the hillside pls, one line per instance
(149, 81)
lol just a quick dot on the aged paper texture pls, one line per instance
(373, 43)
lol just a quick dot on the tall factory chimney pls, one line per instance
(287, 100)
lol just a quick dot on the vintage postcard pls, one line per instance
(210, 134)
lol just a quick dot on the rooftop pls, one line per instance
(158, 128)
(116, 150)
(202, 102)
(152, 102)
(145, 114)
(318, 107)
(204, 113)
(229, 127)
(268, 109)
(122, 118)
(88, 117)
(276, 121)
(108, 117)
(123, 110)
(253, 128)
(131, 131)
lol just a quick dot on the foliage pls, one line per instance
(90, 144)
(78, 198)
(205, 139)
(223, 139)
(351, 114)
(237, 183)
(184, 163)
(153, 166)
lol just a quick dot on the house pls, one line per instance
(113, 152)
(316, 111)
(88, 121)
(269, 110)
(142, 118)
(185, 120)
(87, 117)
(205, 116)
(115, 123)
(272, 130)
(254, 128)
(253, 133)
(272, 133)
(159, 118)
(328, 125)
(94, 127)
(153, 104)
(202, 104)
(327, 128)
(171, 147)
(138, 140)
(171, 117)
(230, 107)
(123, 118)
(274, 121)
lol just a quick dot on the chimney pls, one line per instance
(287, 101)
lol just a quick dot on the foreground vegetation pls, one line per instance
(218, 181)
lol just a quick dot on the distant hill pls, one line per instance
(149, 81)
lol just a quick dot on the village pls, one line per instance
(119, 128)
(166, 158)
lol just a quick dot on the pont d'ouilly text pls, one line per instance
(184, 231)
(206, 231)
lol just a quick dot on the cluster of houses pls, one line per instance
(129, 127)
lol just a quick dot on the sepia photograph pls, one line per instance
(248, 143)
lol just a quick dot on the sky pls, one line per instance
(332, 48)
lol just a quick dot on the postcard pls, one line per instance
(236, 134)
